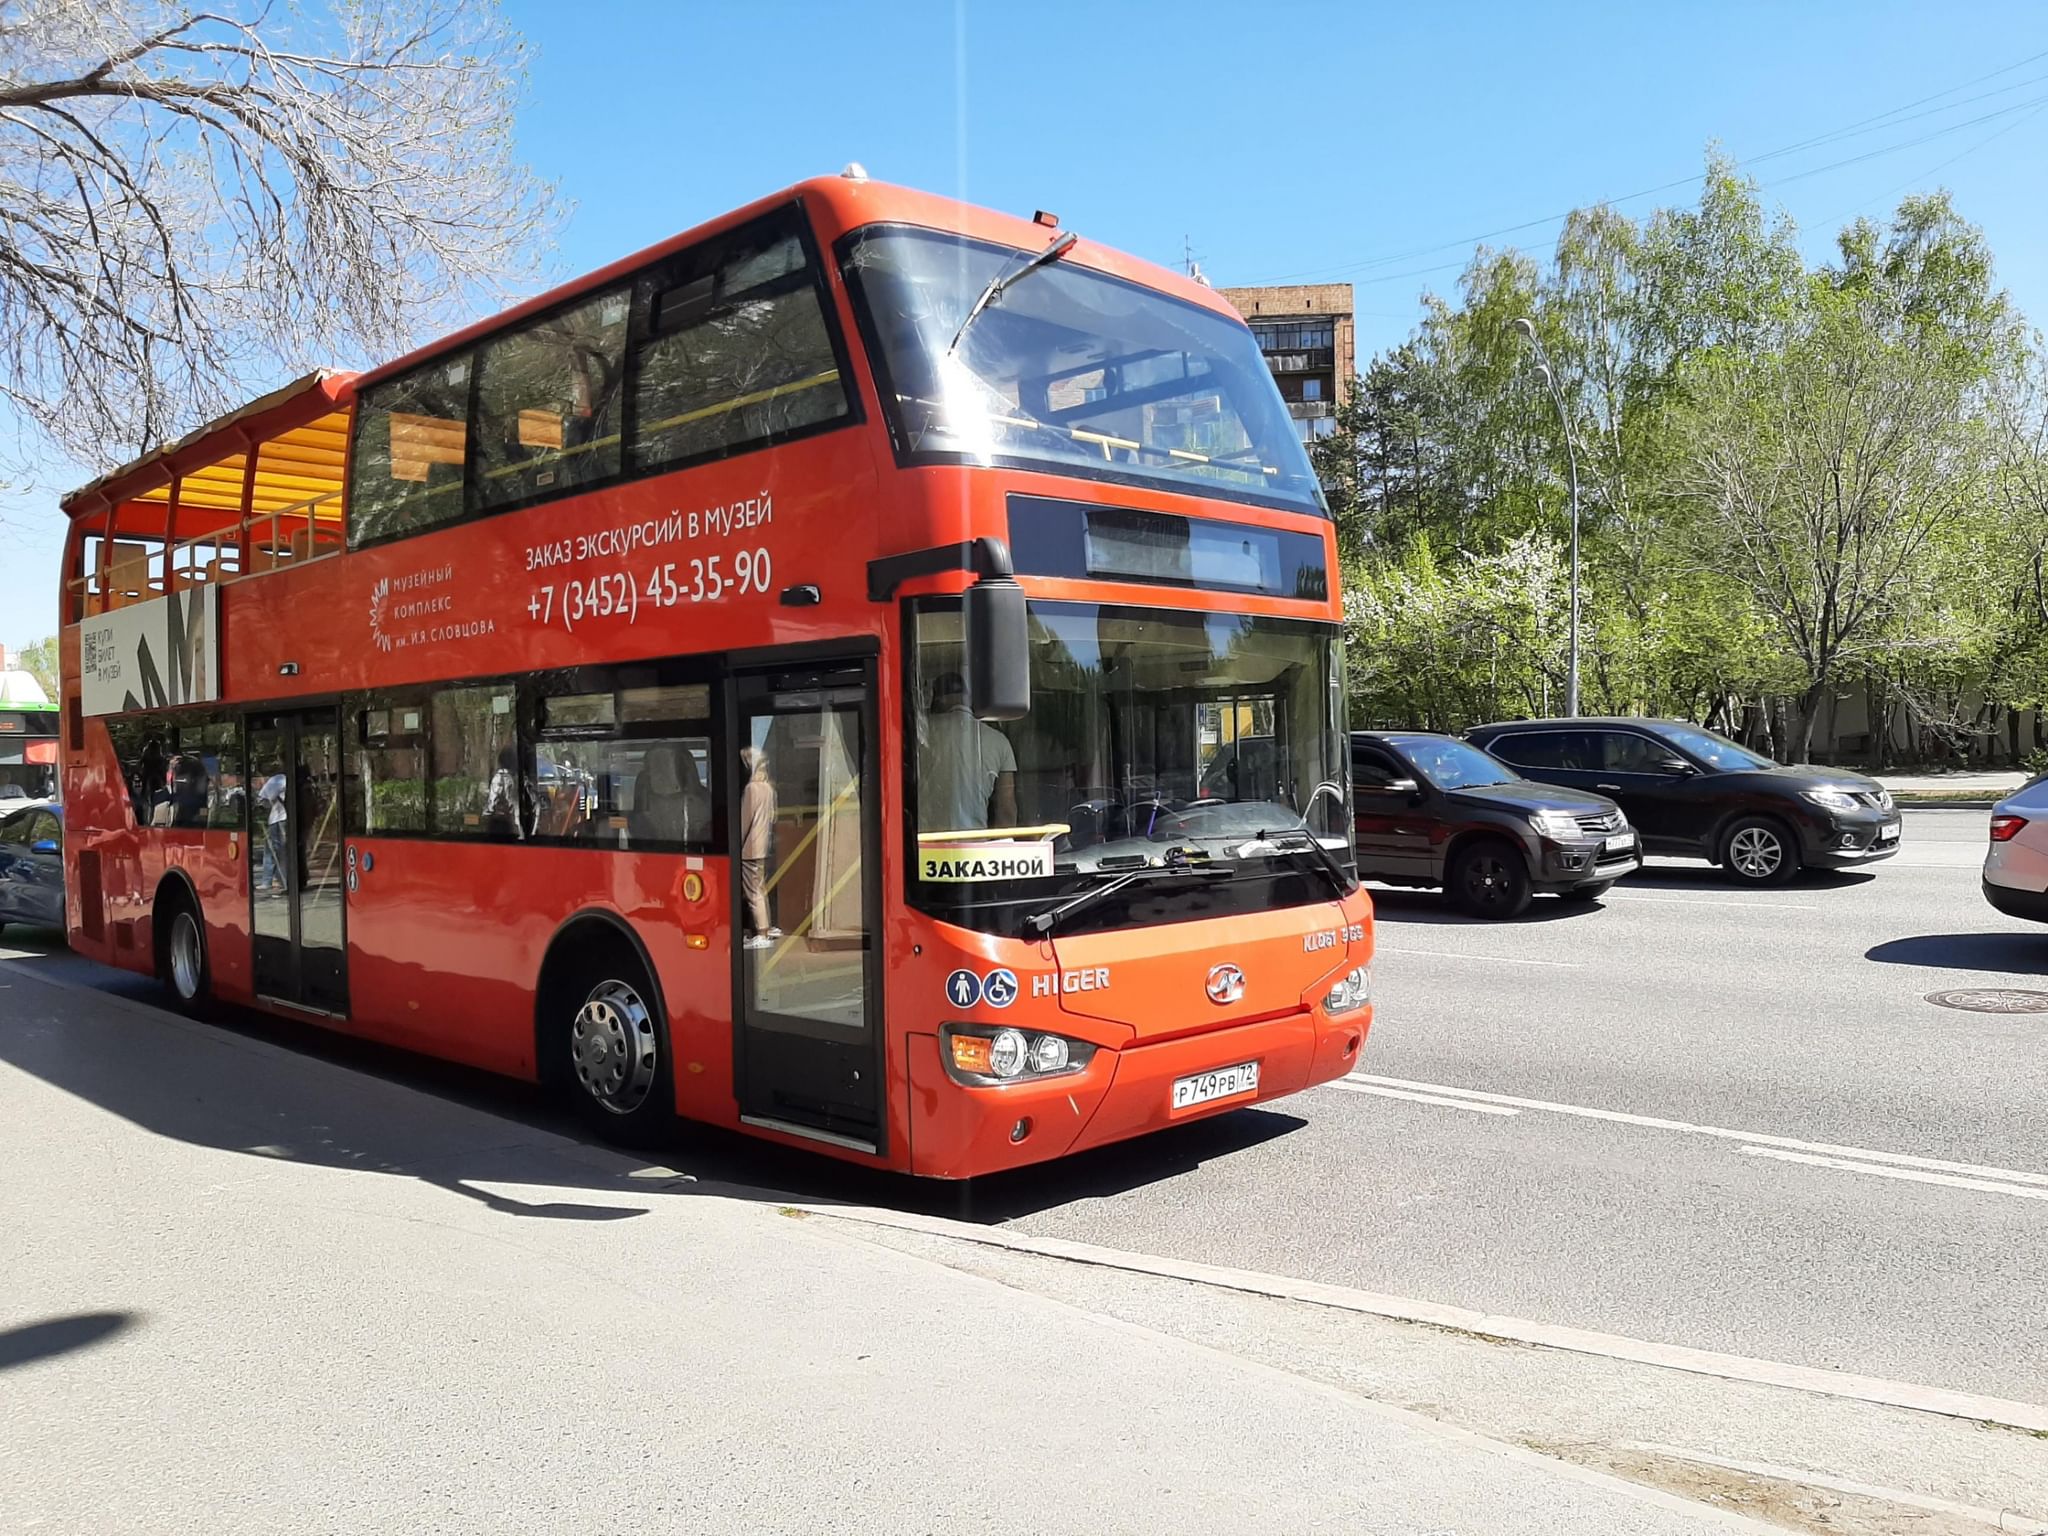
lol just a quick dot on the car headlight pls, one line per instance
(1831, 799)
(1556, 825)
(985, 1055)
(1352, 991)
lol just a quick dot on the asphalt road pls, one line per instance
(1828, 1233)
(1691, 1114)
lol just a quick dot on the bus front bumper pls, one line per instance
(961, 1132)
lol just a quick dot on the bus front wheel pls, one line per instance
(610, 1047)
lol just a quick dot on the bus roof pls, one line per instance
(839, 204)
(273, 418)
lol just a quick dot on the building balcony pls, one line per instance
(1316, 359)
(1310, 410)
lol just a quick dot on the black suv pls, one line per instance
(1430, 810)
(1696, 794)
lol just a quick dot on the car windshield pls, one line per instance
(1073, 370)
(1712, 748)
(1155, 740)
(1453, 764)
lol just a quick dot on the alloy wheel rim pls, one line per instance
(613, 1047)
(1488, 882)
(185, 955)
(1756, 852)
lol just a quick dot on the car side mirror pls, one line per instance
(1677, 765)
(1403, 787)
(43, 845)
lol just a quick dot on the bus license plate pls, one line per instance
(1220, 1084)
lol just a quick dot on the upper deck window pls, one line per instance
(725, 347)
(736, 350)
(548, 403)
(411, 439)
(1070, 371)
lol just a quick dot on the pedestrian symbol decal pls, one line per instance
(963, 988)
(1000, 988)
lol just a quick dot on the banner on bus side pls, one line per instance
(151, 655)
(959, 863)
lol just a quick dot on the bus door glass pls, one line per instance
(806, 887)
(295, 853)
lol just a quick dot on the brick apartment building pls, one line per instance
(1307, 334)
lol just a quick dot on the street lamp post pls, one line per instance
(1527, 328)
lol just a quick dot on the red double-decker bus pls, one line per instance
(865, 672)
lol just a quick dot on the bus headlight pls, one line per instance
(1352, 991)
(1009, 1053)
(982, 1055)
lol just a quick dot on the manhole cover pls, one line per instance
(1991, 1000)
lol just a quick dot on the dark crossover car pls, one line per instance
(1693, 793)
(1432, 811)
(32, 866)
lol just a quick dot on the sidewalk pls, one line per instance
(1961, 788)
(251, 1291)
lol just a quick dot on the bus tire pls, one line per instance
(182, 963)
(605, 1043)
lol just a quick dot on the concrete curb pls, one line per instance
(1770, 1373)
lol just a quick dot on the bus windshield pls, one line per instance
(1156, 739)
(1071, 370)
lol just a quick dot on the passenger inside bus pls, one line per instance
(670, 803)
(966, 768)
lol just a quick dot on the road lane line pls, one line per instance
(1951, 1180)
(1677, 1357)
(1758, 1138)
(1452, 954)
(1424, 1098)
(1711, 901)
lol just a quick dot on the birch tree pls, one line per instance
(193, 202)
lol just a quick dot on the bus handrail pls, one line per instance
(274, 536)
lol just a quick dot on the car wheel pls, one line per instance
(1757, 850)
(1592, 891)
(611, 1048)
(1489, 879)
(181, 961)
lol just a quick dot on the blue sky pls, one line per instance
(1308, 142)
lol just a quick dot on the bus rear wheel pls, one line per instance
(610, 1047)
(181, 961)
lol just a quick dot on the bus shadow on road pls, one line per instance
(312, 1096)
(2016, 954)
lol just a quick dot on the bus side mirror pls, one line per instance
(998, 640)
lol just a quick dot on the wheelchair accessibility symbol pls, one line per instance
(963, 989)
(999, 988)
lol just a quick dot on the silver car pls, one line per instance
(2016, 868)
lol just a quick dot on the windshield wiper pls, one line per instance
(1309, 843)
(1002, 282)
(1044, 922)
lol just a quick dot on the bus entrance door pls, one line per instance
(805, 840)
(295, 872)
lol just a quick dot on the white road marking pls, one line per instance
(1426, 1098)
(1756, 1138)
(1712, 901)
(1452, 954)
(1951, 1180)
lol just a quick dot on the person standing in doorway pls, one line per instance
(274, 794)
(757, 835)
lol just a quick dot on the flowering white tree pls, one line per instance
(192, 202)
